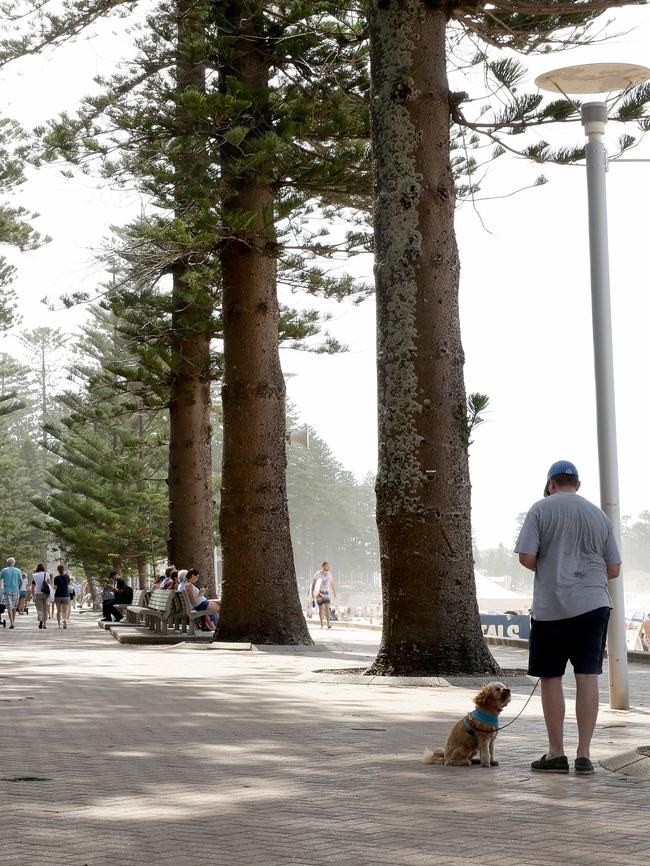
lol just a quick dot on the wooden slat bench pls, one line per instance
(157, 610)
(140, 597)
(187, 617)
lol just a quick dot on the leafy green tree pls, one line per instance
(15, 228)
(20, 481)
(107, 496)
(425, 141)
(332, 515)
(13, 382)
(236, 147)
(21, 469)
(45, 346)
(298, 138)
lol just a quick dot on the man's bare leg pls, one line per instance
(586, 711)
(554, 709)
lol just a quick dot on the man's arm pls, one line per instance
(528, 560)
(613, 571)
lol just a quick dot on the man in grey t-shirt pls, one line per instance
(569, 544)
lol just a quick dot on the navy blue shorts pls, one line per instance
(323, 598)
(578, 639)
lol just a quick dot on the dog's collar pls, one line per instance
(480, 716)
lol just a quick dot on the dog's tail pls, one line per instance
(435, 756)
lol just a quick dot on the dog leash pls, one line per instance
(521, 710)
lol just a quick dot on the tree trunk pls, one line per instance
(142, 571)
(92, 584)
(190, 465)
(259, 590)
(431, 620)
(43, 403)
(191, 530)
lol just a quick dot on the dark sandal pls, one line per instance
(551, 765)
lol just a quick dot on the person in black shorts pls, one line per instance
(570, 545)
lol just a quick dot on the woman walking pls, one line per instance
(62, 598)
(321, 585)
(22, 600)
(41, 593)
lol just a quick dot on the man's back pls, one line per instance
(574, 543)
(10, 578)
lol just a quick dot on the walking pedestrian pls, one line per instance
(644, 633)
(50, 601)
(62, 600)
(569, 543)
(78, 592)
(322, 585)
(41, 589)
(10, 577)
(22, 600)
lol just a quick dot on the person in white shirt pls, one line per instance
(322, 585)
(41, 588)
(78, 592)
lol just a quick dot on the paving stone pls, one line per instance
(150, 748)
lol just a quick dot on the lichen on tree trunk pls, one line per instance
(431, 620)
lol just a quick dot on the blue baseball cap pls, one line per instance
(560, 467)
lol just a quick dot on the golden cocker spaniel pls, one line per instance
(475, 733)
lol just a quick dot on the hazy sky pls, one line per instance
(525, 298)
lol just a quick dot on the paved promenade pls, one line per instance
(185, 755)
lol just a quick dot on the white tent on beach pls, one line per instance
(493, 597)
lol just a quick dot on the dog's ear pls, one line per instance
(490, 697)
(485, 696)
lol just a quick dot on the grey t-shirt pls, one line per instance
(574, 543)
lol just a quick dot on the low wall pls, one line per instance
(514, 642)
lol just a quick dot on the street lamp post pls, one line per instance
(594, 120)
(593, 79)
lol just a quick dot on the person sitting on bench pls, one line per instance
(122, 595)
(212, 606)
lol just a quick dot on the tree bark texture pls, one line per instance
(259, 592)
(431, 620)
(191, 508)
(142, 572)
(92, 584)
(191, 535)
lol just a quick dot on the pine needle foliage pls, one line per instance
(485, 43)
(15, 227)
(107, 497)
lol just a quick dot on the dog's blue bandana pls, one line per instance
(483, 717)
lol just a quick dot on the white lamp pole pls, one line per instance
(603, 78)
(594, 120)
